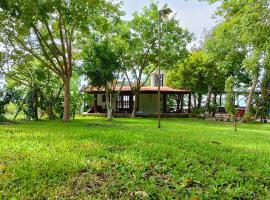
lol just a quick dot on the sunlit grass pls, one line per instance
(131, 158)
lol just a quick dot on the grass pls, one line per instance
(131, 158)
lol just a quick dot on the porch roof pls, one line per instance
(144, 89)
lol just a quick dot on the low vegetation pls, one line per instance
(131, 158)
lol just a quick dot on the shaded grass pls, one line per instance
(131, 158)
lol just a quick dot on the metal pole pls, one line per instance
(159, 51)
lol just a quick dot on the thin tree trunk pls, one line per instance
(66, 116)
(199, 100)
(135, 104)
(208, 99)
(234, 122)
(35, 103)
(215, 105)
(250, 98)
(220, 100)
(109, 105)
(50, 112)
(194, 100)
(178, 102)
(18, 110)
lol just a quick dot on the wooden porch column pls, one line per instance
(95, 103)
(131, 102)
(138, 105)
(177, 102)
(189, 103)
(182, 103)
(164, 103)
(220, 100)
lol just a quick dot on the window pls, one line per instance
(119, 102)
(123, 102)
(156, 80)
(103, 98)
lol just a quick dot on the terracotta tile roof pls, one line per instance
(144, 89)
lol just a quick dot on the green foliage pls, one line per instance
(198, 111)
(240, 44)
(5, 98)
(91, 158)
(141, 36)
(4, 4)
(35, 90)
(221, 47)
(102, 61)
(51, 30)
(197, 73)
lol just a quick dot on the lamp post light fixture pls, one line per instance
(163, 13)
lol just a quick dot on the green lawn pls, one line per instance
(131, 158)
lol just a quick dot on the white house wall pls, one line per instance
(148, 103)
(103, 104)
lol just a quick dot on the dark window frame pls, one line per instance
(123, 102)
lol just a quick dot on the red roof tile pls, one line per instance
(144, 89)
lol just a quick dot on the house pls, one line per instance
(147, 105)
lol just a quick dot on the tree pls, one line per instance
(36, 92)
(40, 89)
(140, 57)
(4, 100)
(227, 54)
(247, 23)
(199, 74)
(102, 66)
(230, 101)
(49, 30)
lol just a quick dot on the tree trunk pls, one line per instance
(194, 100)
(18, 110)
(35, 106)
(109, 105)
(234, 122)
(134, 107)
(208, 99)
(215, 105)
(35, 103)
(50, 112)
(199, 100)
(178, 102)
(250, 98)
(135, 104)
(66, 116)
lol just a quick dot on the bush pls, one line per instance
(198, 111)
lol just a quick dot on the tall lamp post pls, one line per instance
(163, 13)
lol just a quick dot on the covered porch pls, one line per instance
(172, 101)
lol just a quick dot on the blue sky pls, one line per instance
(194, 15)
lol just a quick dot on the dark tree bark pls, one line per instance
(220, 100)
(66, 116)
(35, 105)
